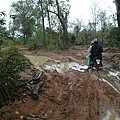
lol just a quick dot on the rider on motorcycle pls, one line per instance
(96, 50)
(89, 50)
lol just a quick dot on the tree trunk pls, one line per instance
(117, 2)
(43, 22)
(49, 21)
(65, 32)
(24, 39)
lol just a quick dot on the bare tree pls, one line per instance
(77, 28)
(94, 12)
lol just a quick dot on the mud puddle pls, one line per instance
(60, 68)
(37, 60)
(111, 116)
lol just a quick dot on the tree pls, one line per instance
(23, 20)
(2, 25)
(4, 34)
(102, 21)
(2, 28)
(61, 10)
(117, 2)
(94, 13)
(43, 17)
(48, 4)
(29, 20)
(77, 26)
(114, 37)
(63, 20)
(2, 20)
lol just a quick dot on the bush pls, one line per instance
(11, 63)
(114, 37)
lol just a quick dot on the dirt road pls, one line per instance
(71, 92)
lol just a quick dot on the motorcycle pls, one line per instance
(95, 63)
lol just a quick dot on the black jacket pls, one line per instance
(96, 50)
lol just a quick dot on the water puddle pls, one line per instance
(37, 60)
(115, 74)
(111, 116)
(60, 68)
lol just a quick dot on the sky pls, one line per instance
(79, 8)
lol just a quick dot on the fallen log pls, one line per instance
(35, 91)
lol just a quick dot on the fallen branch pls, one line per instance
(28, 118)
(33, 117)
(35, 91)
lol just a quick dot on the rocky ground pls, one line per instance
(70, 92)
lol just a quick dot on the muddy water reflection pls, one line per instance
(115, 74)
(37, 60)
(111, 116)
(66, 66)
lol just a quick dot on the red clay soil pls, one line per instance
(71, 95)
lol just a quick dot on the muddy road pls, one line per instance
(70, 91)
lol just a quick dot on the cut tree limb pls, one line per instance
(35, 91)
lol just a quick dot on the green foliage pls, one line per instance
(2, 20)
(114, 37)
(72, 37)
(51, 37)
(11, 63)
(3, 32)
(33, 43)
(23, 21)
(27, 20)
(36, 41)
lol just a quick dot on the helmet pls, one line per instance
(92, 42)
(95, 40)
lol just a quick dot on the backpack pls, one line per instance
(96, 50)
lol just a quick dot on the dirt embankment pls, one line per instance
(71, 92)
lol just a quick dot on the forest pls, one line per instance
(44, 24)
